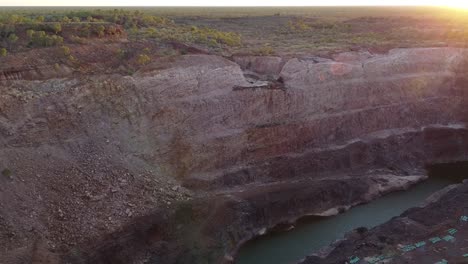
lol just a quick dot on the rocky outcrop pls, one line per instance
(211, 229)
(88, 145)
(265, 67)
(34, 73)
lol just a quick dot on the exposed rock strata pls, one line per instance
(82, 149)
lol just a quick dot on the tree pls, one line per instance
(65, 19)
(13, 19)
(38, 38)
(85, 30)
(3, 52)
(53, 40)
(100, 31)
(12, 38)
(40, 19)
(30, 33)
(57, 27)
(41, 39)
(112, 30)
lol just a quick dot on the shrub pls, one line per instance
(53, 40)
(193, 34)
(65, 19)
(71, 58)
(14, 19)
(12, 38)
(57, 27)
(122, 54)
(6, 173)
(100, 31)
(40, 19)
(6, 30)
(112, 30)
(3, 52)
(76, 39)
(143, 59)
(298, 25)
(65, 50)
(30, 33)
(265, 50)
(85, 31)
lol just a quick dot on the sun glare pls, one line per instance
(459, 4)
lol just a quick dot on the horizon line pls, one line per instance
(261, 6)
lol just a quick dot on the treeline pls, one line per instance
(36, 36)
(125, 18)
(199, 35)
(41, 39)
(51, 33)
(45, 30)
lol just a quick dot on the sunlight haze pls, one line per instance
(449, 3)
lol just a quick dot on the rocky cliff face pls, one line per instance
(83, 156)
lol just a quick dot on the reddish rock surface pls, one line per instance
(174, 163)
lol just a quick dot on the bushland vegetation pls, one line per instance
(32, 29)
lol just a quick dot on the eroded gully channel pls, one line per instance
(311, 234)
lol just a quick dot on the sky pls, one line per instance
(452, 3)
